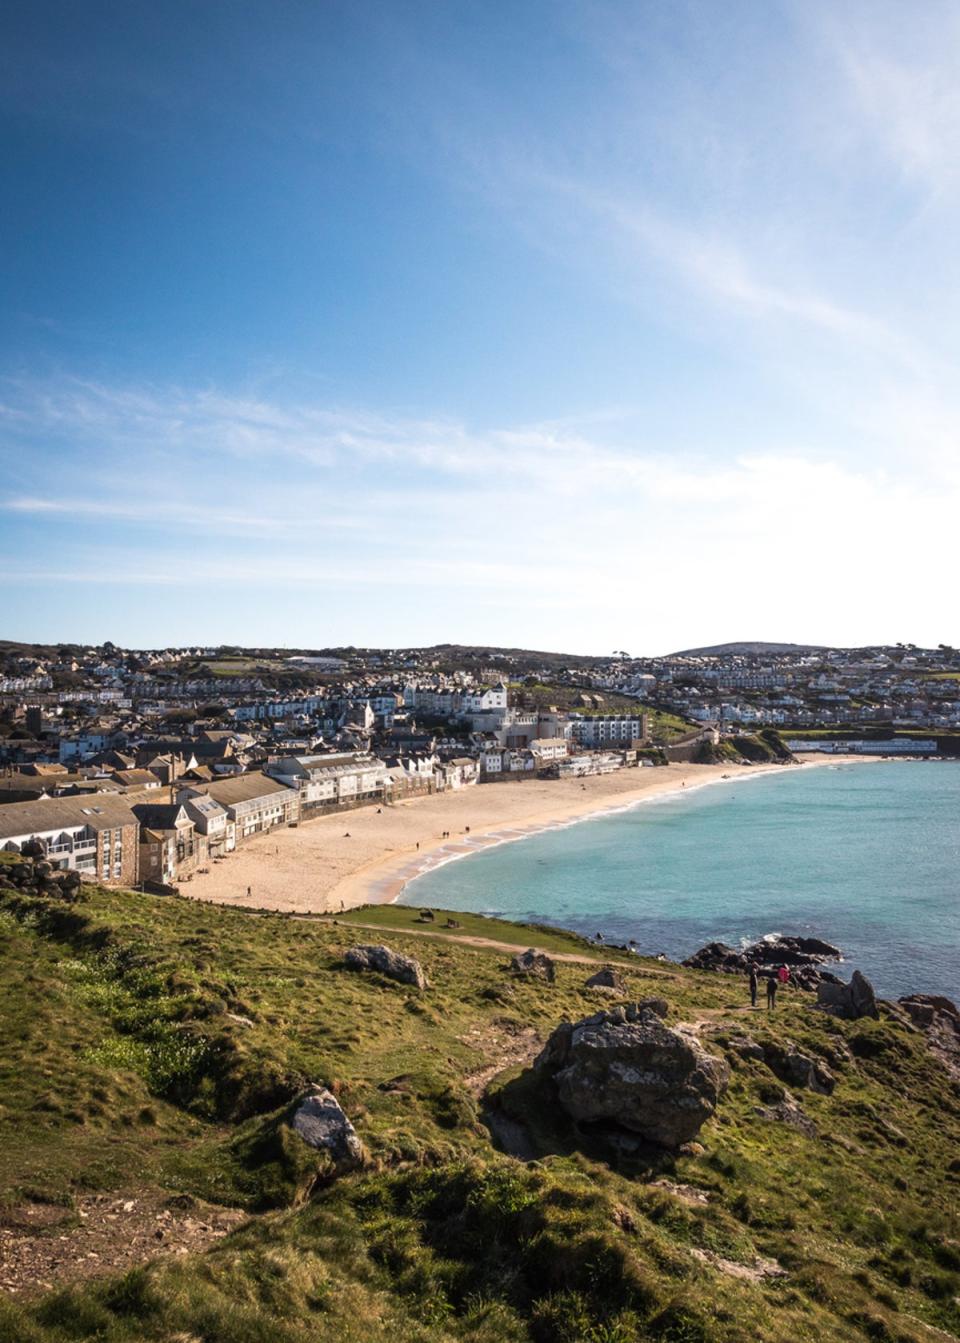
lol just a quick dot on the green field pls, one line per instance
(150, 1047)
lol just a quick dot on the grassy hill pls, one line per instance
(149, 1049)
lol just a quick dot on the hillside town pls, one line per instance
(133, 767)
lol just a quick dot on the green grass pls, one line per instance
(392, 918)
(442, 1237)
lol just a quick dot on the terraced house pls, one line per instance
(334, 780)
(255, 803)
(95, 836)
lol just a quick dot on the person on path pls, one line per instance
(753, 986)
(783, 974)
(771, 993)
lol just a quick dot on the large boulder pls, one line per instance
(852, 1001)
(536, 963)
(627, 1069)
(798, 1069)
(320, 1121)
(607, 979)
(390, 963)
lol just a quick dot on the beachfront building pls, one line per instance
(597, 762)
(169, 845)
(602, 730)
(327, 781)
(461, 772)
(547, 750)
(97, 837)
(255, 803)
(211, 822)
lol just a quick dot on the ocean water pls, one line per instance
(866, 856)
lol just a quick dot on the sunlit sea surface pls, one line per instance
(866, 856)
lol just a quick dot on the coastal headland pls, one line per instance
(368, 855)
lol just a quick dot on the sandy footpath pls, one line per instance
(358, 857)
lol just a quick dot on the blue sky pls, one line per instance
(555, 323)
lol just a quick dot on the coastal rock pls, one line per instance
(851, 1001)
(390, 963)
(608, 979)
(798, 1069)
(320, 1121)
(536, 963)
(939, 1019)
(625, 1069)
(804, 955)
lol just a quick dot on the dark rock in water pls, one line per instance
(389, 963)
(812, 946)
(608, 979)
(319, 1120)
(533, 962)
(852, 1001)
(625, 1069)
(718, 956)
(804, 956)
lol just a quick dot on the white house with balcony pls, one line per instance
(331, 780)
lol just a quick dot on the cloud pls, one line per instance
(901, 74)
(549, 534)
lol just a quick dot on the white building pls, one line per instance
(331, 780)
(596, 732)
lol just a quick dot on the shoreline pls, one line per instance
(369, 855)
(386, 883)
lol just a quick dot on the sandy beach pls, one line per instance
(367, 855)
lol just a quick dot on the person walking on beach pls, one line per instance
(771, 993)
(753, 985)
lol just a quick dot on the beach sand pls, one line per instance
(367, 855)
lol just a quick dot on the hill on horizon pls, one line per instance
(746, 647)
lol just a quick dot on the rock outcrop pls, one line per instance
(625, 1069)
(390, 963)
(851, 1001)
(608, 979)
(533, 962)
(798, 1069)
(939, 1019)
(37, 877)
(804, 956)
(320, 1121)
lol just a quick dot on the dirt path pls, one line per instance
(43, 1246)
(489, 943)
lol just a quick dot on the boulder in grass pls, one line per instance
(608, 979)
(393, 964)
(851, 1001)
(319, 1120)
(535, 963)
(627, 1070)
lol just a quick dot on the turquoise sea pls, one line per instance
(864, 855)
